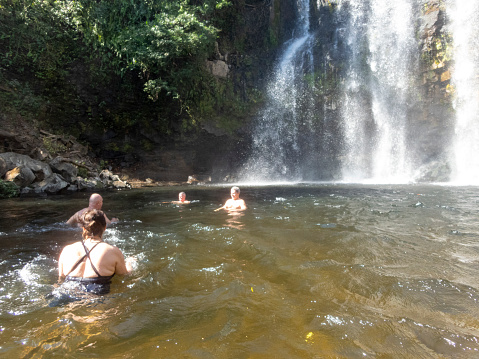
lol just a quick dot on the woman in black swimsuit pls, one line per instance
(91, 262)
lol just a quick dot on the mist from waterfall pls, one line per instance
(464, 15)
(276, 148)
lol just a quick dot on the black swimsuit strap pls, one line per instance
(87, 254)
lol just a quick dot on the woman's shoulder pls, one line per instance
(106, 247)
(72, 246)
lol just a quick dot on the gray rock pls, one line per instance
(434, 171)
(218, 68)
(68, 171)
(198, 179)
(3, 167)
(83, 184)
(120, 184)
(22, 176)
(40, 169)
(429, 21)
(40, 154)
(52, 184)
(105, 175)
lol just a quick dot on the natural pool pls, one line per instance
(308, 271)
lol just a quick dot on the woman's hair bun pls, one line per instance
(93, 221)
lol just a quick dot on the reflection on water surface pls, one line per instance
(306, 271)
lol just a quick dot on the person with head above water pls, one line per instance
(234, 203)
(91, 262)
(181, 199)
(95, 202)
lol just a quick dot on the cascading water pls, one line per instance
(372, 135)
(465, 31)
(383, 116)
(380, 35)
(276, 146)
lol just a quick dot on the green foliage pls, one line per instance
(82, 172)
(62, 58)
(219, 104)
(8, 189)
(54, 146)
(156, 38)
(103, 164)
(147, 145)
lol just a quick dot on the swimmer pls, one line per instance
(95, 202)
(91, 262)
(181, 199)
(234, 203)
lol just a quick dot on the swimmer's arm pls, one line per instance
(113, 220)
(123, 267)
(225, 206)
(61, 273)
(73, 220)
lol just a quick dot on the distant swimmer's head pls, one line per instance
(182, 196)
(235, 192)
(93, 222)
(96, 201)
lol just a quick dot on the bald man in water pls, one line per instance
(234, 203)
(95, 202)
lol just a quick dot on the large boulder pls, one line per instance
(52, 184)
(111, 180)
(3, 167)
(68, 171)
(40, 169)
(83, 184)
(22, 176)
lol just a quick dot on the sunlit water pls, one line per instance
(307, 271)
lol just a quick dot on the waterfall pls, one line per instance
(372, 128)
(276, 147)
(382, 47)
(373, 121)
(465, 79)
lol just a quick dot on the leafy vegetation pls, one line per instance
(121, 67)
(8, 189)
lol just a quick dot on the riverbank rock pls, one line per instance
(22, 176)
(111, 180)
(53, 184)
(68, 171)
(37, 177)
(41, 170)
(198, 179)
(3, 167)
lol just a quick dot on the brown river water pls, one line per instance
(307, 271)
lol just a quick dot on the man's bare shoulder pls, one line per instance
(75, 219)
